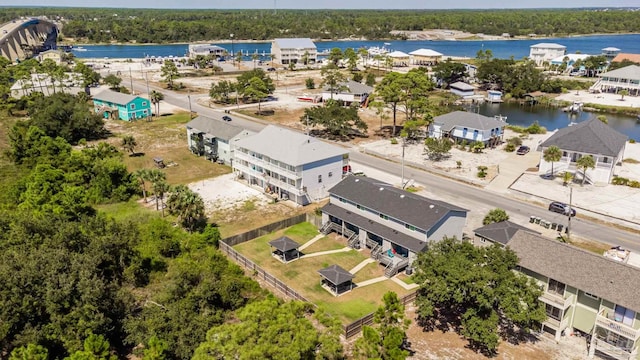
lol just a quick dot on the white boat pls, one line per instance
(79, 48)
(375, 50)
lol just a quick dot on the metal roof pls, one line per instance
(628, 72)
(114, 97)
(398, 54)
(589, 272)
(461, 86)
(295, 43)
(354, 87)
(590, 137)
(290, 147)
(413, 209)
(468, 120)
(336, 275)
(217, 128)
(548, 46)
(500, 232)
(284, 244)
(425, 52)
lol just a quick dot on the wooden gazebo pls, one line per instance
(285, 249)
(336, 279)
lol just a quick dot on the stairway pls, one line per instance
(392, 269)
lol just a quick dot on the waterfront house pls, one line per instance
(399, 58)
(545, 52)
(214, 138)
(635, 58)
(584, 292)
(395, 224)
(288, 164)
(348, 91)
(591, 137)
(494, 96)
(610, 52)
(497, 233)
(206, 49)
(55, 55)
(569, 59)
(292, 50)
(467, 126)
(626, 78)
(462, 89)
(115, 105)
(425, 57)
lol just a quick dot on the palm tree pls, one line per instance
(156, 177)
(160, 188)
(584, 163)
(129, 144)
(623, 93)
(143, 176)
(187, 205)
(566, 178)
(156, 97)
(254, 58)
(552, 154)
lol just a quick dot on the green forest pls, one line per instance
(165, 26)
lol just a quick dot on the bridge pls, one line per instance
(23, 38)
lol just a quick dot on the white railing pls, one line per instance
(268, 165)
(606, 320)
(613, 351)
(556, 300)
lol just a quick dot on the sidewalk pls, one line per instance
(510, 170)
(320, 253)
(310, 242)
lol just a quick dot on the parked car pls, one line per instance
(271, 69)
(226, 118)
(561, 208)
(522, 150)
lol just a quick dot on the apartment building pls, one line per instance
(293, 50)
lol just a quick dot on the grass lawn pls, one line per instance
(330, 242)
(302, 275)
(370, 271)
(129, 210)
(406, 279)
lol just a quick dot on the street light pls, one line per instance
(232, 53)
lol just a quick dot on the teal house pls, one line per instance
(115, 105)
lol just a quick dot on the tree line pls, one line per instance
(165, 26)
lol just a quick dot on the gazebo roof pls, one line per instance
(284, 244)
(336, 275)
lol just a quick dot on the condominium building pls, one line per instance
(294, 50)
(288, 164)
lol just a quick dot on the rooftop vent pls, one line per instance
(431, 206)
(357, 180)
(381, 188)
(402, 196)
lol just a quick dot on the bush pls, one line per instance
(634, 184)
(510, 147)
(535, 128)
(482, 172)
(632, 141)
(515, 141)
(617, 180)
(310, 83)
(394, 141)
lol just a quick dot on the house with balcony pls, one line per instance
(584, 292)
(425, 57)
(394, 224)
(206, 50)
(289, 165)
(591, 137)
(467, 126)
(349, 92)
(626, 78)
(115, 105)
(399, 58)
(293, 50)
(545, 52)
(214, 138)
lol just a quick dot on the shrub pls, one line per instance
(458, 164)
(634, 184)
(310, 83)
(632, 141)
(477, 146)
(516, 141)
(618, 180)
(510, 147)
(631, 161)
(535, 128)
(394, 141)
(482, 171)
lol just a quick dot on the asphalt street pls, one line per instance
(460, 194)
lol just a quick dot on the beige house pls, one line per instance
(399, 58)
(293, 50)
(55, 55)
(426, 57)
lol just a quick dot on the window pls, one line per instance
(144, 103)
(361, 207)
(591, 296)
(133, 106)
(556, 287)
(383, 216)
(342, 200)
(552, 312)
(410, 227)
(605, 160)
(319, 179)
(330, 174)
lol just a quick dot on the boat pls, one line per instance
(376, 50)
(79, 48)
(574, 108)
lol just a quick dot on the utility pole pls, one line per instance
(569, 221)
(131, 79)
(146, 75)
(190, 112)
(404, 144)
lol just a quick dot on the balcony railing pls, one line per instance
(606, 319)
(268, 165)
(614, 351)
(556, 324)
(556, 300)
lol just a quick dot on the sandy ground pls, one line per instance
(602, 99)
(223, 192)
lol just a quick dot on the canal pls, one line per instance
(554, 118)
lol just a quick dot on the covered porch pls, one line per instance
(336, 280)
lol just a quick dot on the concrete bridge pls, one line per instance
(24, 38)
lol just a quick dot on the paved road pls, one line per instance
(466, 196)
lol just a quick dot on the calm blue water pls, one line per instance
(554, 118)
(500, 48)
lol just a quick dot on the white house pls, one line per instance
(399, 58)
(462, 89)
(425, 57)
(591, 137)
(466, 126)
(288, 164)
(571, 59)
(542, 52)
(626, 78)
(494, 96)
(214, 138)
(292, 50)
(348, 92)
(395, 224)
(206, 49)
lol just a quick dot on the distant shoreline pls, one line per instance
(472, 37)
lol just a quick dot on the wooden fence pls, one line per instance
(355, 327)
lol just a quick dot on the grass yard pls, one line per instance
(330, 242)
(302, 274)
(370, 271)
(134, 208)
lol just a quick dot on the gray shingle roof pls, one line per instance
(627, 72)
(114, 97)
(336, 275)
(413, 209)
(468, 120)
(376, 228)
(217, 128)
(290, 147)
(284, 244)
(354, 87)
(591, 137)
(500, 232)
(589, 272)
(461, 86)
(295, 43)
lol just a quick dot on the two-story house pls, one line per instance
(467, 126)
(626, 78)
(213, 138)
(288, 164)
(115, 105)
(584, 292)
(591, 137)
(545, 52)
(293, 50)
(395, 224)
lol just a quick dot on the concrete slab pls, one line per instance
(404, 284)
(320, 253)
(372, 281)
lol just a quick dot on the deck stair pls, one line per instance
(393, 268)
(352, 240)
